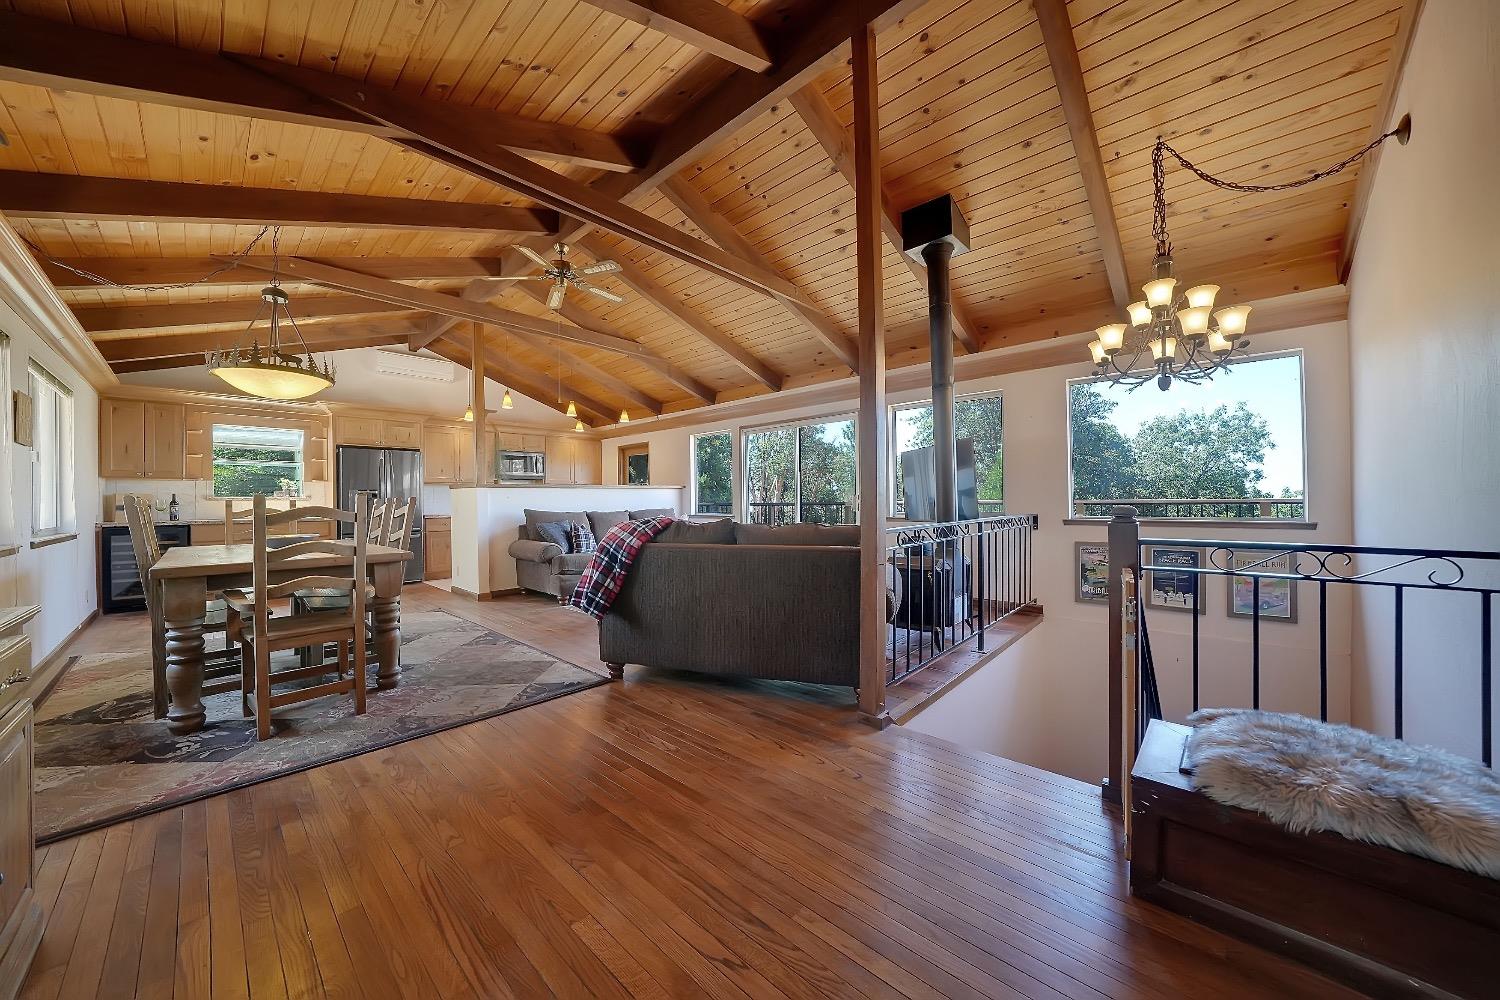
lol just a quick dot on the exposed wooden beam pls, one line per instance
(1411, 13)
(112, 318)
(812, 107)
(719, 229)
(533, 382)
(26, 195)
(187, 349)
(647, 288)
(408, 297)
(703, 24)
(454, 145)
(200, 270)
(54, 54)
(610, 381)
(873, 417)
(1067, 73)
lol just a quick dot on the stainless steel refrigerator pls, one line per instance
(387, 473)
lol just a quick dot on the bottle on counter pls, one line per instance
(173, 509)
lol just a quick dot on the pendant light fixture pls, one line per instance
(275, 372)
(506, 403)
(624, 416)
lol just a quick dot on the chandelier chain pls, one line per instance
(1158, 179)
(97, 279)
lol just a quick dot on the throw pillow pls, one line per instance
(555, 532)
(718, 532)
(582, 537)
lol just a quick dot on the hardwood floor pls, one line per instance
(668, 836)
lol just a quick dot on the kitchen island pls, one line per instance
(486, 519)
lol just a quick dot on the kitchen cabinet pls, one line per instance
(139, 440)
(402, 434)
(20, 913)
(375, 432)
(437, 541)
(448, 455)
(574, 460)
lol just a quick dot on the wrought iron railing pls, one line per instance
(949, 583)
(1263, 581)
(1201, 508)
(833, 512)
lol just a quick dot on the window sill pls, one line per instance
(9, 550)
(1261, 524)
(46, 540)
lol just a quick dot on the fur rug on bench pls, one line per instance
(1308, 775)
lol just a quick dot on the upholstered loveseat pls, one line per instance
(548, 567)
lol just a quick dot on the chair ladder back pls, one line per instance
(144, 541)
(266, 557)
(398, 527)
(242, 515)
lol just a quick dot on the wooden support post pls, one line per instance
(476, 372)
(1130, 686)
(1124, 551)
(872, 409)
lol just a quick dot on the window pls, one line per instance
(976, 418)
(635, 465)
(51, 454)
(713, 473)
(251, 460)
(1230, 448)
(801, 472)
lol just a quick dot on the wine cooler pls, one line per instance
(119, 577)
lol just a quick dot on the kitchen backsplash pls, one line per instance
(195, 499)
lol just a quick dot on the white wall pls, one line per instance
(1045, 703)
(1425, 370)
(62, 578)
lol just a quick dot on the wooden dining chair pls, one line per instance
(221, 667)
(262, 635)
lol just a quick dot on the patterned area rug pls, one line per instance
(102, 758)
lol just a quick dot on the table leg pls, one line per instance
(183, 602)
(385, 616)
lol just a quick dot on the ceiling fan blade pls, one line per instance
(555, 297)
(535, 257)
(603, 267)
(523, 277)
(602, 293)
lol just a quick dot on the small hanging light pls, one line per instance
(273, 373)
(506, 403)
(578, 426)
(469, 414)
(624, 416)
(572, 409)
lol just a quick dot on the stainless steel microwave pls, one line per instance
(522, 465)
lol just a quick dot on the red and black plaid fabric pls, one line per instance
(605, 574)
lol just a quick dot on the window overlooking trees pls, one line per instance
(52, 510)
(251, 460)
(801, 472)
(977, 418)
(713, 473)
(1230, 448)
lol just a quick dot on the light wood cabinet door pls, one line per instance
(465, 440)
(166, 438)
(438, 552)
(588, 462)
(365, 431)
(491, 460)
(533, 442)
(440, 455)
(559, 452)
(15, 812)
(122, 438)
(510, 440)
(402, 434)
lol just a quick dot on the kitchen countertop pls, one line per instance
(562, 486)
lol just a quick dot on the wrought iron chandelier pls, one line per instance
(1186, 338)
(275, 372)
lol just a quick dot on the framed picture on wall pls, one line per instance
(1090, 573)
(22, 414)
(1278, 598)
(1175, 591)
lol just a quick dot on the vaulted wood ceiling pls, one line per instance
(707, 143)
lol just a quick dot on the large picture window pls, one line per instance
(977, 418)
(51, 454)
(1231, 448)
(801, 472)
(713, 473)
(251, 460)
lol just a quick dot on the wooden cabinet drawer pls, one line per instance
(402, 434)
(15, 809)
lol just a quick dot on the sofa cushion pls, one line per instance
(555, 533)
(537, 552)
(796, 534)
(536, 517)
(641, 515)
(600, 521)
(571, 563)
(719, 532)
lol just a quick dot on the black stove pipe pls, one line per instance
(936, 256)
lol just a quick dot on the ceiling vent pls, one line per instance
(414, 366)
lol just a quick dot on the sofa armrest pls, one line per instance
(537, 552)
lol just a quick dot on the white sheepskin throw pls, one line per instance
(1308, 775)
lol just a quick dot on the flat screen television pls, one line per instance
(919, 483)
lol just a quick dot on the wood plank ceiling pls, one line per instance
(1260, 90)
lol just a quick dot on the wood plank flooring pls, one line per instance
(668, 836)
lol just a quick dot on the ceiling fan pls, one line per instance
(561, 273)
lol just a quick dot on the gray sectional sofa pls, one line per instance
(548, 568)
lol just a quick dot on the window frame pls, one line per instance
(214, 425)
(893, 456)
(58, 397)
(734, 474)
(1305, 522)
(743, 458)
(624, 454)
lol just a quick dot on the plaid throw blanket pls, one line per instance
(605, 574)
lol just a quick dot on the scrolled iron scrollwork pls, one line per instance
(1335, 566)
(949, 531)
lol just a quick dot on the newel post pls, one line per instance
(1124, 551)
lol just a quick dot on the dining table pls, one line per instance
(190, 574)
